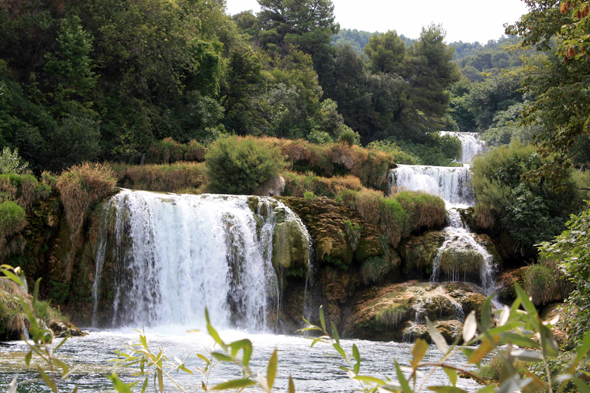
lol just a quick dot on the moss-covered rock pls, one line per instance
(418, 253)
(325, 220)
(505, 289)
(399, 311)
(290, 247)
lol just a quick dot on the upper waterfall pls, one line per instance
(470, 144)
(450, 183)
(173, 255)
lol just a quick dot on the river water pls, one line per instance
(313, 369)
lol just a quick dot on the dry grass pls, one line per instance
(484, 217)
(426, 211)
(165, 178)
(297, 185)
(545, 283)
(80, 188)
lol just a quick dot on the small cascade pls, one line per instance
(25, 331)
(449, 183)
(470, 143)
(461, 257)
(170, 256)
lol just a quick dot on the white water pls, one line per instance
(177, 254)
(453, 185)
(313, 369)
(449, 183)
(470, 143)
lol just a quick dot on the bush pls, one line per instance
(240, 165)
(169, 151)
(12, 218)
(390, 147)
(349, 137)
(166, 178)
(80, 188)
(10, 162)
(530, 212)
(309, 196)
(425, 210)
(544, 284)
(23, 189)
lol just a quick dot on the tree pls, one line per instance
(386, 52)
(561, 104)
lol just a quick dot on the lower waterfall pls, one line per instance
(173, 255)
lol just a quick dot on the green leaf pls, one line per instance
(339, 349)
(234, 384)
(418, 352)
(12, 277)
(335, 333)
(65, 369)
(357, 356)
(526, 303)
(36, 292)
(203, 358)
(143, 340)
(438, 339)
(452, 374)
(28, 357)
(517, 339)
(366, 378)
(446, 389)
(584, 347)
(119, 385)
(487, 389)
(222, 357)
(271, 369)
(61, 343)
(322, 320)
(401, 378)
(246, 346)
(47, 380)
(144, 385)
(291, 385)
(486, 313)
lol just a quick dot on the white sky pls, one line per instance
(463, 20)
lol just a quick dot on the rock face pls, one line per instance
(340, 236)
(419, 252)
(398, 311)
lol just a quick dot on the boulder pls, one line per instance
(419, 252)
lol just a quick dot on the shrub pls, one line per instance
(390, 147)
(425, 210)
(168, 151)
(167, 178)
(240, 165)
(530, 212)
(10, 162)
(80, 188)
(349, 137)
(23, 189)
(393, 220)
(12, 218)
(309, 196)
(297, 185)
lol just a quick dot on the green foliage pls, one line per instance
(434, 149)
(561, 105)
(12, 219)
(309, 196)
(572, 248)
(59, 292)
(386, 52)
(390, 147)
(349, 137)
(10, 162)
(240, 165)
(529, 211)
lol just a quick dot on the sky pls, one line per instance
(463, 20)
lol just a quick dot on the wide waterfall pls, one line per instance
(173, 255)
(471, 145)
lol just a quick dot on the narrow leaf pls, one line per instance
(291, 385)
(322, 319)
(271, 369)
(470, 327)
(335, 333)
(452, 374)
(418, 352)
(438, 339)
(402, 379)
(234, 384)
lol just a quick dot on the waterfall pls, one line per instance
(449, 183)
(470, 144)
(174, 255)
(461, 257)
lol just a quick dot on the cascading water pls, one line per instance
(470, 143)
(449, 183)
(174, 255)
(461, 257)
